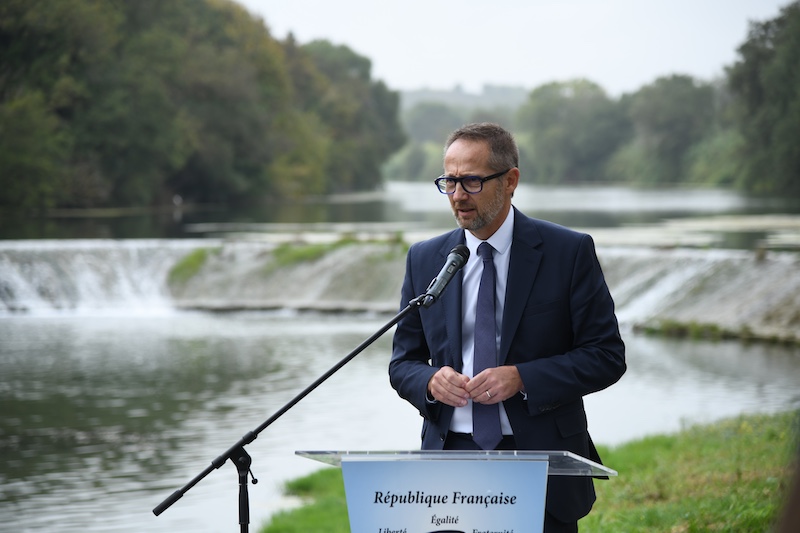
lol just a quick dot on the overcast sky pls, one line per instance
(438, 44)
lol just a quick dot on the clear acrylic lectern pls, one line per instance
(427, 491)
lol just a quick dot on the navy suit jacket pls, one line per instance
(559, 329)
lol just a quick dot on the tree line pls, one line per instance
(114, 103)
(741, 131)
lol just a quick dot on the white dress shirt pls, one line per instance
(501, 242)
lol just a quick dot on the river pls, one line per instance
(105, 416)
(107, 411)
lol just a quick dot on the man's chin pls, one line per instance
(463, 223)
(471, 223)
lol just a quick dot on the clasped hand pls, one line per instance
(453, 388)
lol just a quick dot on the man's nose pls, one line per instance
(460, 193)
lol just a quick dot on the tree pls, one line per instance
(415, 162)
(713, 161)
(361, 116)
(129, 103)
(570, 129)
(766, 84)
(232, 96)
(50, 54)
(431, 122)
(32, 151)
(669, 116)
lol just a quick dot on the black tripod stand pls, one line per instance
(242, 460)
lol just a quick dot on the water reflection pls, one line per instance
(111, 414)
(673, 383)
(404, 202)
(104, 417)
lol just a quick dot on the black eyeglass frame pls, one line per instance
(442, 181)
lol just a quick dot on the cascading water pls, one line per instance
(88, 275)
(735, 289)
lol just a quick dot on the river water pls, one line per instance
(105, 416)
(105, 413)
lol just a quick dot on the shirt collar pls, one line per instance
(500, 239)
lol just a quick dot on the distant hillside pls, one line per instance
(492, 96)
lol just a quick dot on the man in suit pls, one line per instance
(556, 335)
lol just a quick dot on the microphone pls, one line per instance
(456, 260)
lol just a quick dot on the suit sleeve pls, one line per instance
(587, 354)
(410, 369)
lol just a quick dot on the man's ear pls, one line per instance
(512, 180)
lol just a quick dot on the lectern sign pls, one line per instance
(444, 496)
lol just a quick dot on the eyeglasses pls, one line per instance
(470, 184)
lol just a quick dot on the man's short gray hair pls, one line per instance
(503, 150)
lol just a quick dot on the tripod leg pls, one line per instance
(242, 460)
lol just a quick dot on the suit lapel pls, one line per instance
(451, 304)
(522, 269)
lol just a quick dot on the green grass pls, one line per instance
(289, 254)
(729, 476)
(711, 331)
(326, 510)
(189, 266)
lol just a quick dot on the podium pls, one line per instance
(451, 491)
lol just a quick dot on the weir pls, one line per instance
(739, 291)
(78, 276)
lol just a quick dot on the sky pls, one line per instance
(440, 44)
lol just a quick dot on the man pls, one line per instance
(556, 337)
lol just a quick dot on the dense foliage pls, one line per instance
(573, 127)
(740, 131)
(108, 103)
(767, 82)
(130, 103)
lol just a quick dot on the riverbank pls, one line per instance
(732, 475)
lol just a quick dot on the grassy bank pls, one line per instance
(714, 332)
(728, 476)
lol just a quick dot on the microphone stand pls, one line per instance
(237, 454)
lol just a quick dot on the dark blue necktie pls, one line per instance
(486, 418)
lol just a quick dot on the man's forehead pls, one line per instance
(466, 152)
